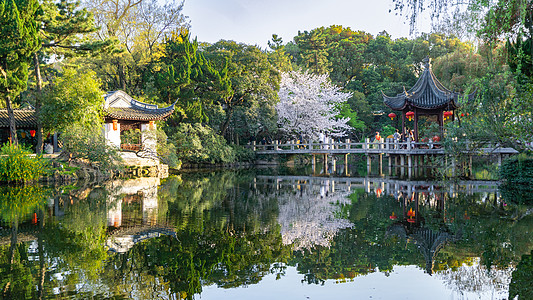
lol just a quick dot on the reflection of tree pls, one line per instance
(521, 281)
(311, 217)
(476, 279)
(199, 256)
(17, 204)
(225, 235)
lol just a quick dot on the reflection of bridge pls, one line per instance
(389, 185)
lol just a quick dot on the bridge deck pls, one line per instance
(385, 146)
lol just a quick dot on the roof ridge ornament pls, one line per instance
(426, 61)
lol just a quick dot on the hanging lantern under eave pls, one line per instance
(32, 133)
(447, 114)
(410, 115)
(393, 216)
(411, 213)
(115, 125)
(392, 116)
(151, 125)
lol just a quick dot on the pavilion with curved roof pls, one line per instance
(427, 97)
(123, 113)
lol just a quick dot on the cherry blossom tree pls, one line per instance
(309, 104)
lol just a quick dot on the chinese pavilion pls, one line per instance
(123, 113)
(427, 97)
(25, 122)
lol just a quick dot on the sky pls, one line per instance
(254, 21)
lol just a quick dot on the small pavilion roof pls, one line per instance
(121, 106)
(427, 93)
(24, 118)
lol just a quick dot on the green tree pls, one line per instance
(18, 28)
(253, 80)
(183, 74)
(313, 50)
(63, 28)
(75, 98)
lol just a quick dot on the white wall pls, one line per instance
(112, 136)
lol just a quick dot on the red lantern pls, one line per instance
(410, 115)
(393, 216)
(411, 213)
(462, 115)
(32, 133)
(151, 125)
(447, 114)
(115, 125)
(436, 138)
(392, 116)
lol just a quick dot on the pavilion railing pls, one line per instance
(131, 147)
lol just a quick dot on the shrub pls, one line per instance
(166, 150)
(17, 165)
(90, 144)
(200, 144)
(243, 154)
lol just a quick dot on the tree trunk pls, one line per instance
(12, 126)
(224, 126)
(122, 75)
(38, 104)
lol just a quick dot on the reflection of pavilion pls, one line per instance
(128, 228)
(141, 190)
(429, 242)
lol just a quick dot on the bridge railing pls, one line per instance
(367, 145)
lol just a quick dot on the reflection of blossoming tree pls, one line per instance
(478, 280)
(309, 218)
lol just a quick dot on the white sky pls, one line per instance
(254, 21)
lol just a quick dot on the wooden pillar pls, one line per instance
(346, 164)
(403, 124)
(390, 164)
(368, 163)
(380, 163)
(416, 125)
(334, 162)
(253, 145)
(56, 146)
(325, 163)
(313, 163)
(470, 171)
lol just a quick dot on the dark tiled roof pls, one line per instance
(24, 118)
(427, 93)
(137, 114)
(120, 105)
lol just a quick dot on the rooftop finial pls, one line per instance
(426, 62)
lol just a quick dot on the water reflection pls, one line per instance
(148, 239)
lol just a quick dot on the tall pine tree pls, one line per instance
(18, 29)
(64, 27)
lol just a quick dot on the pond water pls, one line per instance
(265, 234)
